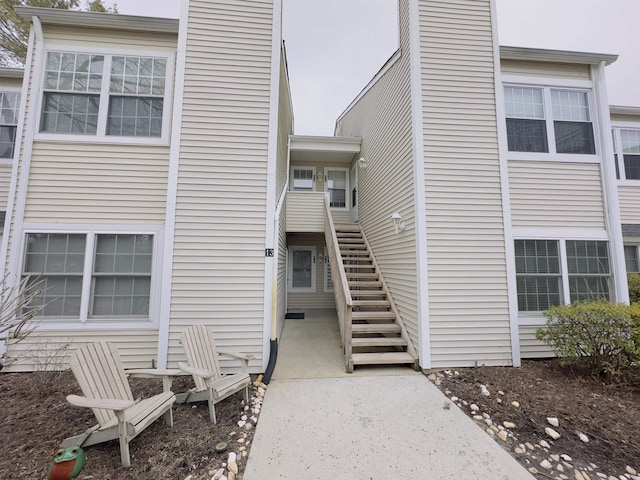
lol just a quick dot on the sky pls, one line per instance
(334, 47)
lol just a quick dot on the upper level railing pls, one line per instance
(306, 212)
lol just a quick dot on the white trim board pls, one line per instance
(503, 156)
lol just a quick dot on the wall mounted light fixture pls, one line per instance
(398, 224)
(362, 163)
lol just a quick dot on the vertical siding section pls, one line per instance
(285, 126)
(545, 69)
(50, 350)
(82, 183)
(5, 184)
(629, 196)
(382, 117)
(218, 264)
(469, 312)
(530, 347)
(556, 194)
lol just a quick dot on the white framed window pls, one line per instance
(9, 112)
(626, 148)
(328, 282)
(337, 185)
(546, 120)
(114, 97)
(302, 269)
(303, 179)
(92, 277)
(631, 258)
(556, 272)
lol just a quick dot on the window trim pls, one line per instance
(100, 323)
(536, 318)
(301, 167)
(347, 191)
(101, 136)
(617, 150)
(9, 161)
(291, 288)
(546, 85)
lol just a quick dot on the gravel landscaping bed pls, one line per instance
(556, 422)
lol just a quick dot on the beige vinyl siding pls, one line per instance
(625, 118)
(556, 194)
(218, 264)
(10, 83)
(281, 265)
(319, 298)
(530, 347)
(468, 304)
(102, 39)
(50, 350)
(109, 184)
(545, 69)
(382, 117)
(305, 211)
(285, 127)
(5, 184)
(629, 198)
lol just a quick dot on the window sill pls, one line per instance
(629, 183)
(553, 157)
(94, 139)
(121, 324)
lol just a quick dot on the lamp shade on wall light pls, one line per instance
(362, 163)
(398, 224)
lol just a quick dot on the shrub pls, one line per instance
(633, 279)
(598, 335)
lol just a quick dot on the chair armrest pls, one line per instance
(106, 403)
(198, 372)
(240, 356)
(153, 372)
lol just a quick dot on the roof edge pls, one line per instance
(558, 56)
(116, 21)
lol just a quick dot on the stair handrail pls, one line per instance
(344, 302)
(410, 349)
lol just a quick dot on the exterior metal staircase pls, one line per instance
(378, 335)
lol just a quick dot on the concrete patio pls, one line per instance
(318, 422)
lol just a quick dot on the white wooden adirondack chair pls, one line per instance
(202, 357)
(102, 378)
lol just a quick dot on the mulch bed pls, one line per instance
(609, 414)
(35, 417)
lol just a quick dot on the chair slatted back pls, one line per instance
(200, 347)
(100, 374)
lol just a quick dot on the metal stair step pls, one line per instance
(382, 358)
(376, 328)
(373, 315)
(378, 342)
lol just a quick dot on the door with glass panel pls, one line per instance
(337, 185)
(302, 269)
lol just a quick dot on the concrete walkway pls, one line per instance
(373, 424)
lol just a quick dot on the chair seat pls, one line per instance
(144, 412)
(230, 384)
